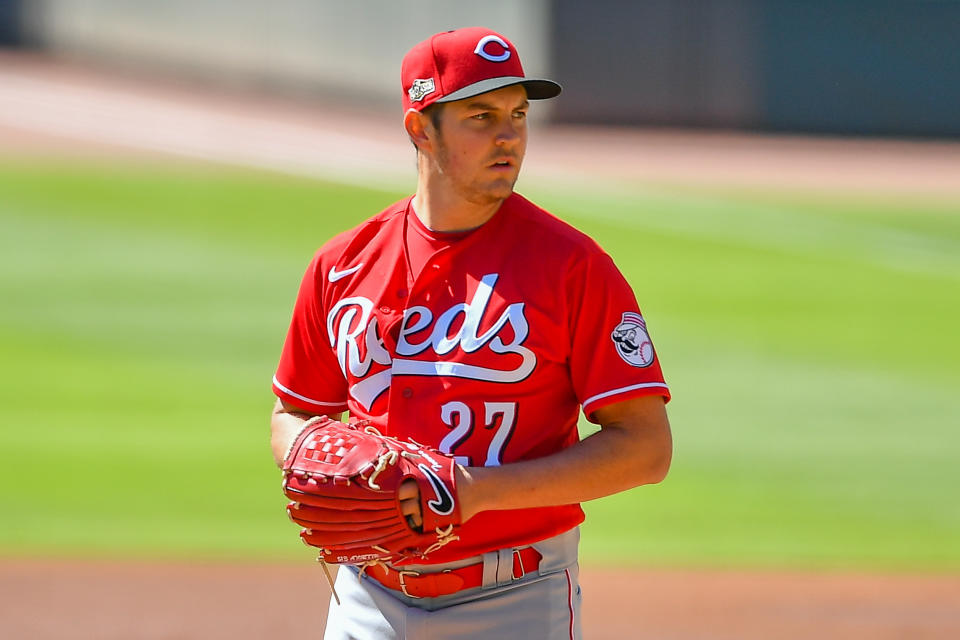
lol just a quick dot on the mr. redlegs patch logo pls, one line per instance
(632, 342)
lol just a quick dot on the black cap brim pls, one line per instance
(537, 88)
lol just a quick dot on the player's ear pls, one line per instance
(419, 129)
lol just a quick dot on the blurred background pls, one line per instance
(884, 67)
(780, 182)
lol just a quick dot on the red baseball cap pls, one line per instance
(463, 63)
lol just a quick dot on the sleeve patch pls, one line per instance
(631, 340)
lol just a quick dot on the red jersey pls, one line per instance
(484, 345)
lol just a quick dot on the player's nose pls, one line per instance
(508, 134)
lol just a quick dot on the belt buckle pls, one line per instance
(403, 583)
(519, 560)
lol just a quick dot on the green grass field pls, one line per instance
(810, 343)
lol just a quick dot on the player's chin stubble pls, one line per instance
(475, 191)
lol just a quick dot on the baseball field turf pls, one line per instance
(810, 342)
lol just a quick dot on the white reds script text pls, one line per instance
(350, 323)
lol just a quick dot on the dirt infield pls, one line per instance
(49, 107)
(45, 600)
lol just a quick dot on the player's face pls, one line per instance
(482, 142)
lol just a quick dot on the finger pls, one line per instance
(411, 509)
(409, 490)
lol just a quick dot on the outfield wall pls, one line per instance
(879, 67)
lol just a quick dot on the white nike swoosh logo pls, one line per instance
(335, 275)
(444, 504)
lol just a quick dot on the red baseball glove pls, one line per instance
(344, 482)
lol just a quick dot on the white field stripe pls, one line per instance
(293, 394)
(607, 394)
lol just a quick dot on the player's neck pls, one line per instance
(443, 210)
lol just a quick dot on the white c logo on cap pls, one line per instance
(484, 41)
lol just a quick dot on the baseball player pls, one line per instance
(469, 321)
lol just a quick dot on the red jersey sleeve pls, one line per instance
(612, 356)
(309, 375)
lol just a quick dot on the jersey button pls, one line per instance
(401, 293)
(407, 392)
(385, 309)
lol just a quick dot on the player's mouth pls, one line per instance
(503, 164)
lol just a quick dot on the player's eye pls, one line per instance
(519, 114)
(480, 116)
